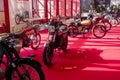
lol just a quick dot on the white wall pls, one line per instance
(2, 17)
(1, 5)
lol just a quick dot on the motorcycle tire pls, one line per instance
(72, 31)
(23, 71)
(108, 25)
(99, 31)
(114, 22)
(35, 41)
(64, 42)
(48, 54)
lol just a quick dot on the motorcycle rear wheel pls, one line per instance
(35, 41)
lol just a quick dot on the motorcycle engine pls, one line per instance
(85, 30)
(26, 42)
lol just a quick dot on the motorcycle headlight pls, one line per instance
(51, 29)
(63, 28)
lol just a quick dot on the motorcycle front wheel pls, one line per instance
(48, 54)
(99, 31)
(35, 41)
(25, 70)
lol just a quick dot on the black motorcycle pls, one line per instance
(14, 67)
(57, 39)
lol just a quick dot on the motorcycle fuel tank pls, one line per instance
(86, 22)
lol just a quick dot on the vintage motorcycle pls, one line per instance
(84, 26)
(14, 67)
(57, 39)
(112, 18)
(30, 36)
(100, 18)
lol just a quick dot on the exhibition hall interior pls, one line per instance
(59, 39)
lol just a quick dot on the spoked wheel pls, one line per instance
(114, 22)
(48, 54)
(17, 19)
(25, 70)
(107, 25)
(64, 42)
(35, 40)
(99, 31)
(72, 31)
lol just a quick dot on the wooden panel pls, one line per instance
(2, 17)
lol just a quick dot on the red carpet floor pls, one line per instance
(85, 59)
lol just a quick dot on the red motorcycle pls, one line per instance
(30, 36)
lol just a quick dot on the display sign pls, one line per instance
(19, 13)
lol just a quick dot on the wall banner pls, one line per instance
(19, 12)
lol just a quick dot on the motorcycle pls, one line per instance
(100, 18)
(113, 19)
(57, 39)
(14, 67)
(30, 36)
(84, 26)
